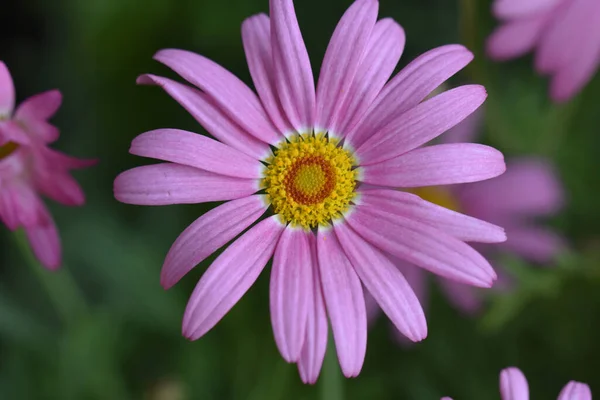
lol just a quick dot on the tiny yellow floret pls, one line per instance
(310, 180)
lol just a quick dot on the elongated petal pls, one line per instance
(463, 297)
(342, 61)
(315, 341)
(381, 56)
(61, 187)
(345, 303)
(256, 35)
(411, 206)
(209, 115)
(230, 277)
(422, 245)
(409, 87)
(421, 124)
(39, 107)
(291, 281)
(515, 38)
(385, 282)
(292, 71)
(513, 385)
(529, 187)
(208, 234)
(187, 148)
(7, 91)
(443, 164)
(510, 9)
(45, 243)
(228, 92)
(20, 206)
(537, 244)
(575, 391)
(163, 184)
(12, 131)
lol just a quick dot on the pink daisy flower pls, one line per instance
(513, 386)
(303, 154)
(529, 189)
(29, 169)
(564, 33)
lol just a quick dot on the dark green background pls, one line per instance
(103, 328)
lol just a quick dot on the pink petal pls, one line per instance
(345, 303)
(45, 243)
(515, 38)
(187, 148)
(7, 92)
(421, 124)
(208, 234)
(569, 34)
(65, 162)
(210, 116)
(513, 385)
(411, 206)
(62, 188)
(409, 87)
(536, 244)
(163, 184)
(12, 131)
(419, 244)
(416, 277)
(462, 296)
(230, 277)
(379, 61)
(509, 9)
(446, 398)
(315, 341)
(291, 281)
(256, 35)
(292, 71)
(529, 187)
(342, 61)
(385, 282)
(20, 206)
(443, 164)
(42, 106)
(229, 93)
(575, 391)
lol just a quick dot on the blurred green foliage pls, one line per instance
(103, 328)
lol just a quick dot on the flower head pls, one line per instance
(565, 35)
(303, 154)
(513, 386)
(30, 169)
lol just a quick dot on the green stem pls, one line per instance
(332, 387)
(65, 295)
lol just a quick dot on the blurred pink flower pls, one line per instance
(513, 386)
(529, 189)
(327, 236)
(565, 35)
(29, 169)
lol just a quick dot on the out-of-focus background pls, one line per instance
(103, 328)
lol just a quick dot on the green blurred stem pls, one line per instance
(65, 295)
(332, 387)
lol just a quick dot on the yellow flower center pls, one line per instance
(7, 149)
(310, 180)
(438, 195)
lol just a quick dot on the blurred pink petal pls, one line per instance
(7, 92)
(291, 281)
(442, 164)
(194, 150)
(345, 303)
(163, 184)
(466, 131)
(463, 297)
(208, 234)
(385, 283)
(520, 8)
(575, 391)
(342, 62)
(209, 115)
(513, 385)
(421, 124)
(515, 38)
(229, 277)
(536, 244)
(45, 243)
(292, 71)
